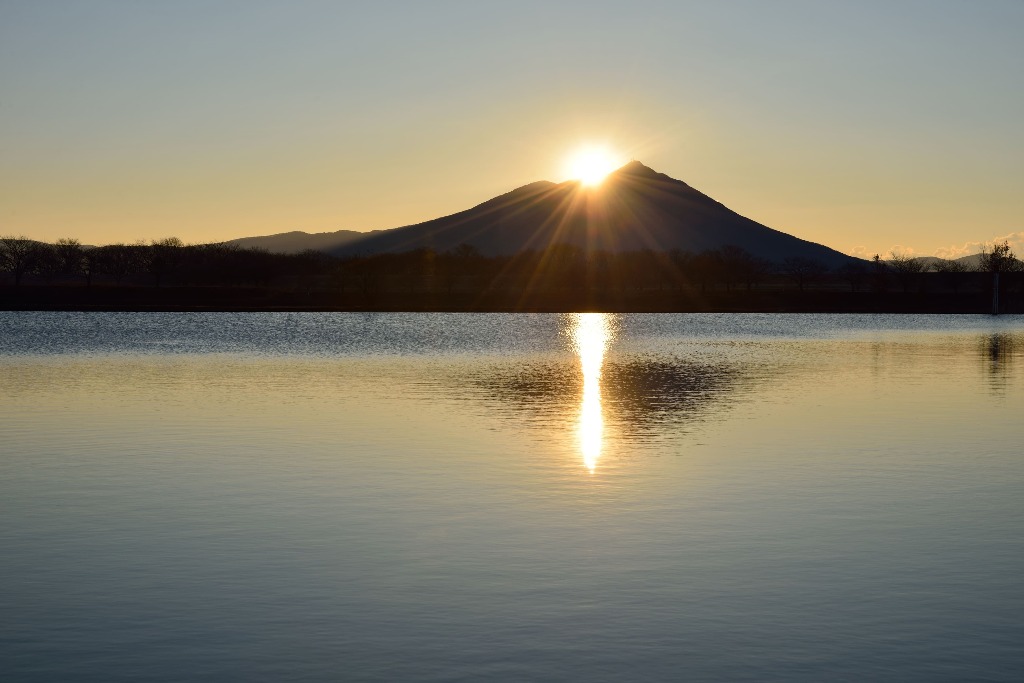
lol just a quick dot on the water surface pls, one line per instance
(435, 497)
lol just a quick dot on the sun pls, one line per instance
(590, 165)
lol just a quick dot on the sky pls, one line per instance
(868, 126)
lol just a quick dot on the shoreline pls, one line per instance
(216, 299)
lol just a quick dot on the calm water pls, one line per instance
(431, 497)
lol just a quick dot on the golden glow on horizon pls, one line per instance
(590, 165)
(591, 334)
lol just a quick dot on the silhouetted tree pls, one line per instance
(997, 259)
(162, 257)
(18, 256)
(879, 274)
(854, 272)
(802, 271)
(738, 264)
(682, 262)
(46, 263)
(90, 265)
(907, 268)
(952, 273)
(70, 256)
(368, 277)
(118, 260)
(461, 264)
(425, 264)
(562, 266)
(600, 271)
(732, 261)
(643, 269)
(705, 267)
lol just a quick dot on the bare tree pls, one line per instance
(91, 265)
(162, 257)
(802, 271)
(854, 272)
(705, 268)
(70, 256)
(755, 271)
(681, 262)
(732, 261)
(952, 272)
(18, 255)
(907, 268)
(738, 264)
(117, 260)
(46, 263)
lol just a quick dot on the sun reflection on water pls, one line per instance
(591, 333)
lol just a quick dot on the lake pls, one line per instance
(537, 497)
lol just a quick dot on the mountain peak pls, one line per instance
(635, 167)
(636, 208)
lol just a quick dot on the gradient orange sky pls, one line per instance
(866, 126)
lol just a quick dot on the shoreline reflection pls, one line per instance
(591, 334)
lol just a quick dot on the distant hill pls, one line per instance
(634, 208)
(296, 242)
(972, 262)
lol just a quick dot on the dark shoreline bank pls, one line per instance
(142, 299)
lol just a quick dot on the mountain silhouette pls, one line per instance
(297, 241)
(634, 208)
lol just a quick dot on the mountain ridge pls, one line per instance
(298, 241)
(634, 208)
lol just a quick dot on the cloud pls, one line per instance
(902, 250)
(1014, 239)
(860, 251)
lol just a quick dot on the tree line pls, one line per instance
(561, 267)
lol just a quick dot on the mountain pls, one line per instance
(929, 262)
(297, 241)
(971, 262)
(634, 208)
